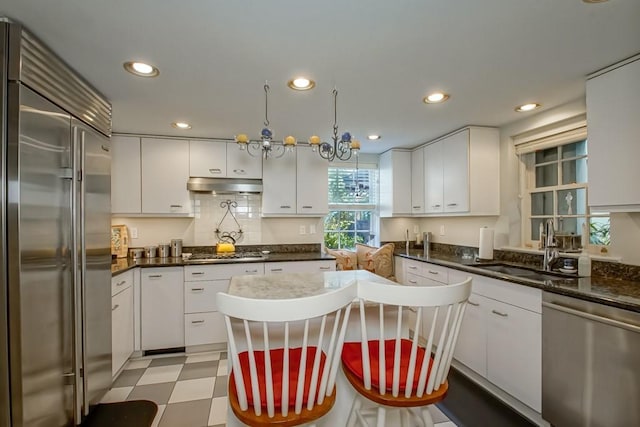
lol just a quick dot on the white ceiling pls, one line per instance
(384, 56)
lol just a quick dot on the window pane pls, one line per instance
(349, 186)
(346, 221)
(572, 202)
(570, 225)
(542, 203)
(599, 231)
(574, 171)
(546, 176)
(548, 155)
(535, 227)
(332, 220)
(574, 150)
(363, 220)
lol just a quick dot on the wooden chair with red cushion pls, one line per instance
(393, 371)
(284, 355)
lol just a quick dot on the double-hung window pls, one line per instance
(353, 216)
(555, 177)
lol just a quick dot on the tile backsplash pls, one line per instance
(211, 214)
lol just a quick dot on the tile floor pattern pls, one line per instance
(190, 390)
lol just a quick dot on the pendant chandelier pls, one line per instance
(343, 147)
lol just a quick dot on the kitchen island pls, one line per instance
(300, 285)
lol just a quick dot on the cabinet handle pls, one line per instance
(239, 171)
(121, 283)
(197, 273)
(285, 207)
(194, 322)
(307, 207)
(475, 304)
(432, 272)
(175, 206)
(155, 276)
(251, 271)
(115, 307)
(413, 267)
(499, 314)
(215, 170)
(452, 204)
(413, 281)
(416, 207)
(276, 269)
(435, 206)
(197, 289)
(325, 268)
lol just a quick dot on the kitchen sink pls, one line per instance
(522, 272)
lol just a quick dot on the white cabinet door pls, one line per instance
(207, 159)
(395, 183)
(162, 314)
(165, 172)
(200, 297)
(125, 175)
(299, 267)
(312, 178)
(433, 179)
(613, 102)
(279, 185)
(241, 165)
(455, 161)
(471, 348)
(121, 328)
(417, 181)
(514, 351)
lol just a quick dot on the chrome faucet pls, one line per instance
(551, 253)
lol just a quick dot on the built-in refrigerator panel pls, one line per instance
(41, 294)
(93, 162)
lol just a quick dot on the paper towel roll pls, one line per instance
(485, 250)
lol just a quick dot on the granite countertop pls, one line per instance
(121, 265)
(610, 291)
(299, 285)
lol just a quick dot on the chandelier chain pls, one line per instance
(266, 104)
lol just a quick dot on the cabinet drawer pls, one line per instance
(299, 267)
(510, 293)
(200, 297)
(413, 267)
(436, 272)
(221, 271)
(204, 328)
(121, 282)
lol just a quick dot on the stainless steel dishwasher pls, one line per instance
(590, 363)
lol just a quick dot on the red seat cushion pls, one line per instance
(352, 361)
(277, 356)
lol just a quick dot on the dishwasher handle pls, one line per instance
(594, 317)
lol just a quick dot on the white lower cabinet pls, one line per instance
(203, 324)
(162, 311)
(121, 326)
(471, 348)
(299, 267)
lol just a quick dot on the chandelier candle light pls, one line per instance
(343, 147)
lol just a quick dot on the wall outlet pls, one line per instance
(312, 229)
(442, 230)
(134, 232)
(302, 230)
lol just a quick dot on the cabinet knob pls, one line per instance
(285, 207)
(325, 268)
(197, 273)
(239, 171)
(413, 281)
(115, 307)
(175, 206)
(215, 171)
(413, 267)
(251, 271)
(155, 276)
(307, 207)
(197, 289)
(435, 206)
(195, 322)
(121, 283)
(475, 304)
(452, 204)
(416, 207)
(276, 269)
(432, 272)
(499, 313)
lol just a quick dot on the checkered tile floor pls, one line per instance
(190, 390)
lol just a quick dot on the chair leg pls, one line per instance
(381, 416)
(355, 407)
(426, 417)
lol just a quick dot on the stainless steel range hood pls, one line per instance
(224, 185)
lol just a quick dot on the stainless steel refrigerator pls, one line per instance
(55, 331)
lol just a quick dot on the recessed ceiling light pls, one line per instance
(435, 98)
(301, 83)
(373, 137)
(527, 107)
(594, 1)
(141, 69)
(181, 125)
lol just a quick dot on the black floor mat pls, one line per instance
(135, 413)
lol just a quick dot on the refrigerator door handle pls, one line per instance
(83, 269)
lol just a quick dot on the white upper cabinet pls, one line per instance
(241, 165)
(279, 185)
(208, 159)
(395, 183)
(417, 181)
(613, 102)
(312, 182)
(165, 172)
(125, 175)
(462, 173)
